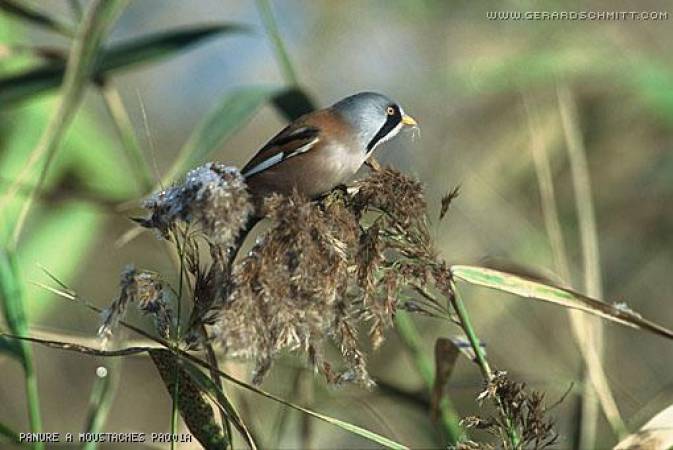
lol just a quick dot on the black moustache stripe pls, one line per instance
(391, 123)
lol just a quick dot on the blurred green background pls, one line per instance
(474, 85)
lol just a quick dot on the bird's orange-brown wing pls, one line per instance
(296, 138)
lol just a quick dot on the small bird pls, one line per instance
(323, 149)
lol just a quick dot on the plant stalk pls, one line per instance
(410, 337)
(481, 360)
(264, 8)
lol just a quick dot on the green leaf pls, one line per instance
(11, 302)
(194, 408)
(88, 153)
(230, 113)
(11, 294)
(536, 290)
(22, 11)
(142, 50)
(100, 402)
(161, 45)
(264, 8)
(219, 397)
(90, 33)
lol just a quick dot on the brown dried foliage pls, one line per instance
(151, 295)
(320, 271)
(520, 410)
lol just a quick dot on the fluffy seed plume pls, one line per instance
(290, 291)
(212, 197)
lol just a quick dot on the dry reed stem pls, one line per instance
(593, 329)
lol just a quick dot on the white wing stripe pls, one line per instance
(275, 159)
(279, 157)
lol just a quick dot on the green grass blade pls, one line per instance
(194, 408)
(351, 428)
(388, 443)
(100, 402)
(161, 45)
(264, 8)
(103, 170)
(480, 358)
(412, 340)
(147, 49)
(100, 17)
(12, 295)
(122, 122)
(230, 113)
(220, 398)
(33, 16)
(12, 304)
(527, 288)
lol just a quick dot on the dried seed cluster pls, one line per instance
(320, 271)
(212, 197)
(291, 290)
(151, 295)
(521, 411)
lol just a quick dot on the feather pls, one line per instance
(291, 141)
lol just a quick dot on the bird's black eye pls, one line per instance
(390, 111)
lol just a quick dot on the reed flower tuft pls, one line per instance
(320, 272)
(323, 269)
(524, 409)
(291, 290)
(392, 192)
(150, 294)
(212, 197)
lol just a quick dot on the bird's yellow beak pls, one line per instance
(409, 121)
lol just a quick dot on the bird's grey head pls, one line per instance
(374, 117)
